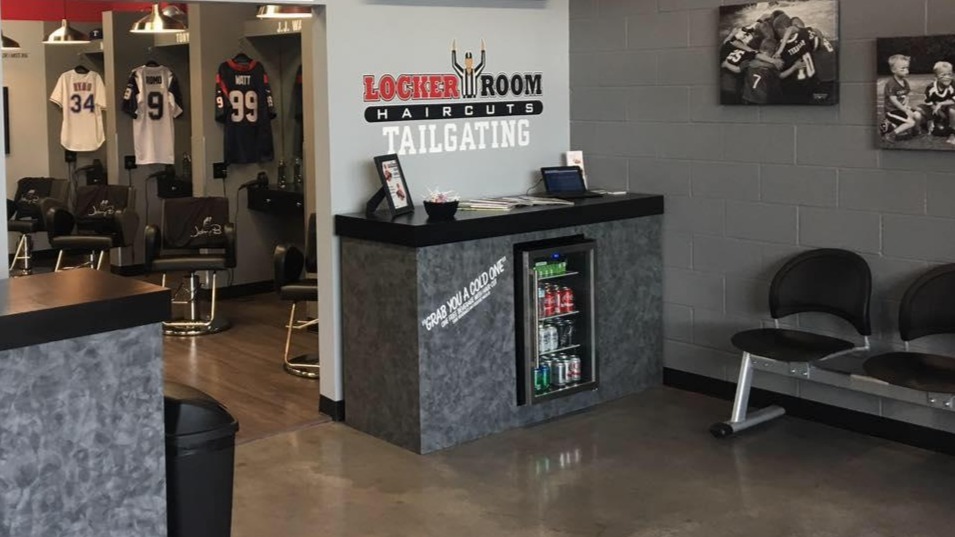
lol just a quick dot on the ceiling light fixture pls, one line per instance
(66, 35)
(272, 11)
(157, 23)
(9, 44)
(175, 12)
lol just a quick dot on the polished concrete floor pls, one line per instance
(642, 466)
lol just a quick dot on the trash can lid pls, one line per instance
(190, 411)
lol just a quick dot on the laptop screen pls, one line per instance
(563, 179)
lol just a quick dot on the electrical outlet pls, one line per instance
(219, 170)
(129, 161)
(69, 156)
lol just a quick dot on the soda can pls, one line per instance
(543, 338)
(566, 300)
(550, 302)
(553, 337)
(541, 292)
(570, 333)
(538, 380)
(545, 371)
(575, 369)
(559, 376)
(568, 339)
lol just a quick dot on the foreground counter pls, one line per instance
(434, 316)
(81, 435)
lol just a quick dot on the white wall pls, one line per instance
(25, 76)
(373, 37)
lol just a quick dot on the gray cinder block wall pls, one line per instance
(748, 187)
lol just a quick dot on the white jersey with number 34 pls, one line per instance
(153, 98)
(82, 96)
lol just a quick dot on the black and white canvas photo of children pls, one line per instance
(783, 52)
(915, 105)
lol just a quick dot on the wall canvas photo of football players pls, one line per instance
(782, 53)
(915, 104)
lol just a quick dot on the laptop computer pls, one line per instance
(566, 183)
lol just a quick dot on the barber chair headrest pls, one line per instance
(191, 223)
(97, 205)
(30, 191)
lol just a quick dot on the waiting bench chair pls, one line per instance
(828, 280)
(928, 308)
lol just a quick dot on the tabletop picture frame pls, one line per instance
(394, 185)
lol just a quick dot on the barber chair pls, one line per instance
(25, 216)
(103, 217)
(191, 227)
(290, 267)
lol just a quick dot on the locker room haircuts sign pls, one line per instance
(467, 109)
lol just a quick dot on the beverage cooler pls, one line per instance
(554, 295)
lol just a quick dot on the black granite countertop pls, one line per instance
(416, 230)
(64, 305)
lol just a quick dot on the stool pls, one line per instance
(290, 264)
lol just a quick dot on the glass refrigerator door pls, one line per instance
(557, 331)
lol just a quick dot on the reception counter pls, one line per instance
(419, 378)
(81, 435)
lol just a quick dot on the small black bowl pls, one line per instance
(441, 211)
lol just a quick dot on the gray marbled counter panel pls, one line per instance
(464, 377)
(81, 437)
(380, 340)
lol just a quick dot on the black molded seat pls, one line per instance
(290, 266)
(928, 308)
(306, 289)
(23, 226)
(919, 371)
(191, 262)
(828, 280)
(83, 242)
(190, 226)
(789, 345)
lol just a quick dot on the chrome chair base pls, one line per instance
(305, 365)
(23, 256)
(195, 323)
(189, 328)
(94, 261)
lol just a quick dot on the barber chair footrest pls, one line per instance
(187, 328)
(305, 365)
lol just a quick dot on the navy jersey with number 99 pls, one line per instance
(244, 105)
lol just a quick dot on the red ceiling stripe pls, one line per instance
(51, 10)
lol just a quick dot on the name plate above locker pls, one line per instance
(171, 40)
(266, 28)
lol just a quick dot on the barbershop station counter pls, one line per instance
(81, 388)
(427, 385)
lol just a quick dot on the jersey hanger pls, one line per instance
(241, 57)
(81, 69)
(152, 63)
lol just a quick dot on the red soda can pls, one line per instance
(566, 300)
(550, 302)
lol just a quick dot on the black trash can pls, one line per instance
(200, 456)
